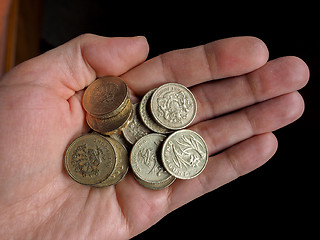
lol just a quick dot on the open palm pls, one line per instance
(241, 99)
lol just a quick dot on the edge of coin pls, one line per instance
(108, 181)
(91, 120)
(155, 186)
(116, 111)
(139, 126)
(120, 138)
(147, 118)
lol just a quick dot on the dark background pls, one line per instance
(278, 199)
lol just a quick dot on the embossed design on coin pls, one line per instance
(173, 106)
(149, 159)
(135, 129)
(86, 160)
(145, 116)
(121, 167)
(105, 95)
(90, 159)
(145, 159)
(184, 154)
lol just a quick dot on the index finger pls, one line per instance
(219, 59)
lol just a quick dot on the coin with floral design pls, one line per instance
(184, 154)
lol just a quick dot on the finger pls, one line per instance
(277, 77)
(75, 64)
(268, 116)
(236, 161)
(219, 59)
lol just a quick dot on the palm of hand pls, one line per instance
(41, 112)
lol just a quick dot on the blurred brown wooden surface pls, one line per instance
(20, 24)
(5, 6)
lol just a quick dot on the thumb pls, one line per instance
(75, 64)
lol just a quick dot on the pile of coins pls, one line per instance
(149, 136)
(107, 104)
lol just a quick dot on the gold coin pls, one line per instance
(184, 154)
(135, 129)
(173, 106)
(145, 159)
(146, 117)
(90, 159)
(121, 167)
(110, 125)
(156, 186)
(106, 96)
(120, 138)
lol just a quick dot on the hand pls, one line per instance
(241, 99)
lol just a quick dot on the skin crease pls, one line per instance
(241, 97)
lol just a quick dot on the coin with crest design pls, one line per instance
(173, 106)
(90, 159)
(145, 159)
(184, 154)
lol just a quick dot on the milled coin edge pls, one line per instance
(119, 146)
(155, 186)
(145, 116)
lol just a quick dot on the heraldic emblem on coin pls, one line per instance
(86, 160)
(174, 106)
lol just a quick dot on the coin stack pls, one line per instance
(107, 104)
(96, 160)
(152, 130)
